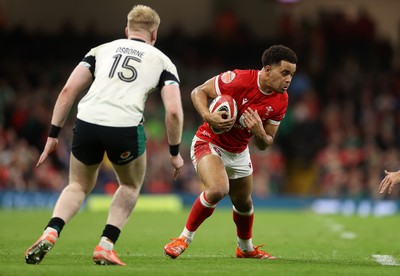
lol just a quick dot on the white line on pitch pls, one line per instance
(336, 227)
(385, 259)
(348, 235)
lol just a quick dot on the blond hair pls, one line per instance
(143, 18)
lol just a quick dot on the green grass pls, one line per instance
(306, 244)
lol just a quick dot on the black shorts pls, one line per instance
(122, 144)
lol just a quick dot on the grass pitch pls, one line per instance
(306, 244)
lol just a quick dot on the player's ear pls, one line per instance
(126, 31)
(153, 37)
(267, 69)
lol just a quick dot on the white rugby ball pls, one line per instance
(223, 103)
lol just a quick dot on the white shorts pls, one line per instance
(237, 165)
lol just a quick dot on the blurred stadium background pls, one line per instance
(341, 132)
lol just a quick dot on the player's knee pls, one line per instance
(79, 187)
(242, 204)
(131, 185)
(214, 195)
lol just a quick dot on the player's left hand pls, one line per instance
(50, 146)
(177, 162)
(253, 121)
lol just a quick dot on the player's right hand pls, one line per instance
(219, 120)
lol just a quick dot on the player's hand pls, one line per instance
(50, 146)
(177, 163)
(391, 179)
(220, 120)
(253, 121)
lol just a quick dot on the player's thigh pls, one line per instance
(211, 171)
(132, 174)
(83, 175)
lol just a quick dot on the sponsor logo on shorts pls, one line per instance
(125, 155)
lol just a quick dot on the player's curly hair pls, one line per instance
(276, 53)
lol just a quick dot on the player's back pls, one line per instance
(124, 72)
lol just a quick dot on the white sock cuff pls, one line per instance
(106, 243)
(204, 201)
(189, 235)
(244, 213)
(50, 229)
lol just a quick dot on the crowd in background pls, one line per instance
(341, 132)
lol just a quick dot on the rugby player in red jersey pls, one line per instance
(222, 161)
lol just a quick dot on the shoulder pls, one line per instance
(237, 78)
(100, 47)
(162, 55)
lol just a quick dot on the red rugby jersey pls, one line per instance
(244, 87)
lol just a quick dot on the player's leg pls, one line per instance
(243, 216)
(126, 151)
(87, 154)
(212, 174)
(82, 179)
(211, 171)
(130, 178)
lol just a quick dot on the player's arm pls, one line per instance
(77, 82)
(264, 141)
(200, 96)
(171, 97)
(265, 137)
(263, 134)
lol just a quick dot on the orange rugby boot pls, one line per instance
(255, 254)
(176, 247)
(36, 253)
(102, 256)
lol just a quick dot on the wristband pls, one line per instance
(54, 131)
(174, 149)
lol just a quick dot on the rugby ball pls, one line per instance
(223, 103)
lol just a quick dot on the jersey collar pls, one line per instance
(138, 39)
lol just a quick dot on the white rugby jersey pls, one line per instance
(125, 71)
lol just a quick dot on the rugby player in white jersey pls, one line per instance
(222, 161)
(120, 75)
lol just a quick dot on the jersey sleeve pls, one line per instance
(89, 61)
(169, 76)
(224, 82)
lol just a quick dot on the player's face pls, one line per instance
(279, 76)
